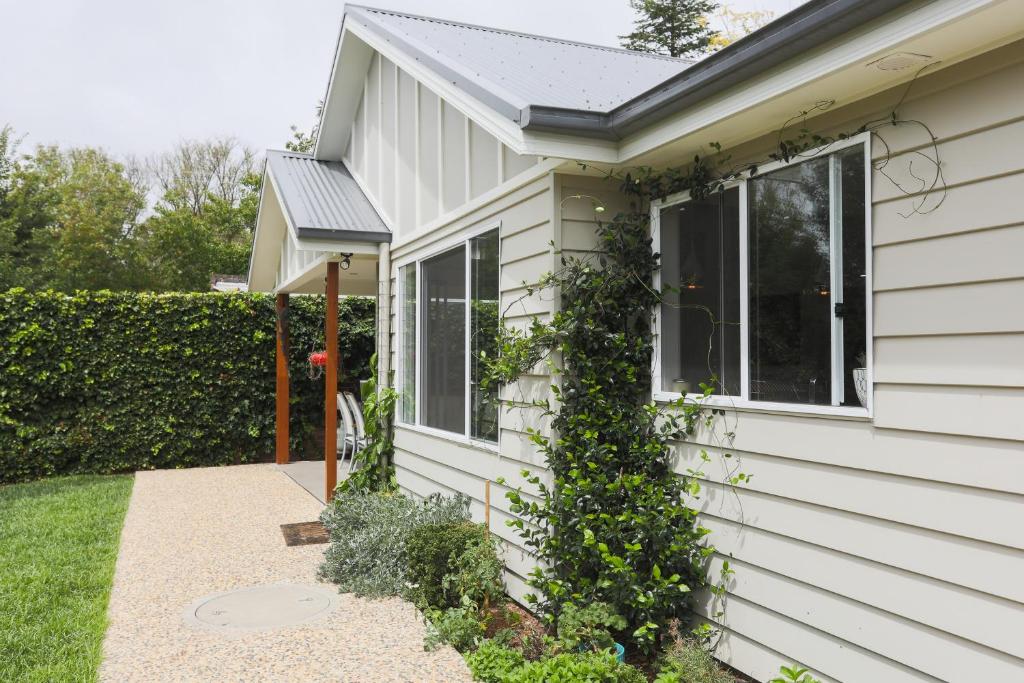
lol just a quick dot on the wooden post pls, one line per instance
(281, 388)
(487, 506)
(331, 384)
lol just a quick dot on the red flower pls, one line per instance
(318, 358)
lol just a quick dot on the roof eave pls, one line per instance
(795, 33)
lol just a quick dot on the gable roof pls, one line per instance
(512, 72)
(322, 201)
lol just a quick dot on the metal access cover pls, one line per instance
(262, 608)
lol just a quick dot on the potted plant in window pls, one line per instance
(860, 380)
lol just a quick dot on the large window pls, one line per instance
(767, 286)
(449, 322)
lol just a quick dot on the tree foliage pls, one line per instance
(77, 218)
(675, 28)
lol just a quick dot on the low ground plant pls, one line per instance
(368, 531)
(58, 545)
(432, 550)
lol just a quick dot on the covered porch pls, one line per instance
(317, 233)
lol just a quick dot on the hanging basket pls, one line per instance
(318, 359)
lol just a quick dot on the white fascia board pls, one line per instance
(500, 127)
(264, 257)
(855, 49)
(344, 87)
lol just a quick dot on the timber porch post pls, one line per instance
(331, 384)
(281, 387)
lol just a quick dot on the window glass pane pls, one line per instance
(701, 312)
(443, 358)
(790, 304)
(851, 194)
(483, 333)
(407, 284)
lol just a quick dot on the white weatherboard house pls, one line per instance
(882, 536)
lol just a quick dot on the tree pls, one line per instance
(735, 24)
(68, 220)
(204, 221)
(676, 28)
(302, 142)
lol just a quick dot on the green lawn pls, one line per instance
(58, 545)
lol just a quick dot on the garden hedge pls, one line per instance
(100, 382)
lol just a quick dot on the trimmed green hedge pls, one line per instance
(100, 382)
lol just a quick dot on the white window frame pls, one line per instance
(464, 241)
(743, 401)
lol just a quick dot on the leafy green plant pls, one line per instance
(376, 468)
(589, 627)
(794, 674)
(432, 549)
(101, 382)
(492, 662)
(612, 525)
(459, 627)
(369, 533)
(593, 667)
(476, 574)
(688, 662)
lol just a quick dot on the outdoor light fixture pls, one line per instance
(346, 261)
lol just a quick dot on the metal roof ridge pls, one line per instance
(521, 34)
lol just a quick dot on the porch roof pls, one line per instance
(321, 199)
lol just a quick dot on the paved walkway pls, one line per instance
(192, 533)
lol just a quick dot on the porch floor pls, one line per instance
(310, 475)
(193, 533)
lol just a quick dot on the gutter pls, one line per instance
(790, 36)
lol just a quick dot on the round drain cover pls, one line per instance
(262, 608)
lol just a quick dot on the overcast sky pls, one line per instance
(135, 76)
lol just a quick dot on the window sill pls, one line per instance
(744, 405)
(459, 439)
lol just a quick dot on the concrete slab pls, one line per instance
(262, 608)
(310, 475)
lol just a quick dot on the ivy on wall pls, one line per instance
(104, 382)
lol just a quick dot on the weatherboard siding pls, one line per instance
(416, 155)
(427, 462)
(889, 549)
(893, 549)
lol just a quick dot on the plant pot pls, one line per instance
(860, 383)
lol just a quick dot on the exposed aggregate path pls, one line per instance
(196, 532)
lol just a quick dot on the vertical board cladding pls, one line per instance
(405, 157)
(417, 156)
(857, 546)
(454, 172)
(426, 461)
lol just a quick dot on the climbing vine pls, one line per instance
(611, 523)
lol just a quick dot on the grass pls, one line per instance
(58, 544)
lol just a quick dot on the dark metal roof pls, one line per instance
(546, 84)
(322, 200)
(512, 72)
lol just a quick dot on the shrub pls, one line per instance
(588, 627)
(594, 667)
(367, 551)
(369, 531)
(688, 662)
(492, 662)
(476, 575)
(459, 627)
(101, 382)
(432, 550)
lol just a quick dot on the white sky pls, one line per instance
(135, 76)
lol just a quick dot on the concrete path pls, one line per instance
(193, 533)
